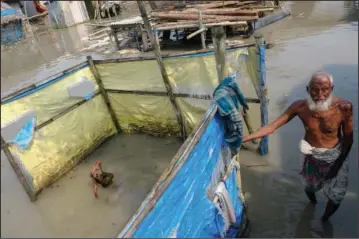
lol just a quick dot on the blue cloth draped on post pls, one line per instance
(184, 209)
(229, 100)
(25, 135)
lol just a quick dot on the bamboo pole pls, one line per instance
(17, 170)
(62, 113)
(263, 145)
(196, 33)
(114, 34)
(226, 11)
(153, 5)
(177, 15)
(208, 25)
(246, 117)
(161, 65)
(181, 95)
(219, 43)
(103, 92)
(203, 36)
(213, 5)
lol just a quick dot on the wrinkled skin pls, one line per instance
(323, 129)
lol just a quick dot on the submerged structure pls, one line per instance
(48, 128)
(11, 24)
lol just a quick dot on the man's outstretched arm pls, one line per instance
(287, 116)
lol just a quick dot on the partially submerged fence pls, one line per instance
(43, 135)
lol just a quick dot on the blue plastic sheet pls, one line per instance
(8, 11)
(184, 210)
(25, 135)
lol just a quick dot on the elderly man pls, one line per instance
(327, 142)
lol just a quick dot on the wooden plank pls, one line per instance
(161, 65)
(103, 92)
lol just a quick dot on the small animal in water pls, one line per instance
(100, 177)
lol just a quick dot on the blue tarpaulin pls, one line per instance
(8, 11)
(184, 209)
(25, 135)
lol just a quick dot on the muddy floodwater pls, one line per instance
(68, 207)
(317, 36)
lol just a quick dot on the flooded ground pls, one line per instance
(69, 209)
(317, 36)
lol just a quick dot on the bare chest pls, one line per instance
(327, 123)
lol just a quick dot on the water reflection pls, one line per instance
(305, 228)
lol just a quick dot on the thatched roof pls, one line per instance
(13, 16)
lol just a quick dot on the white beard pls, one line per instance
(320, 107)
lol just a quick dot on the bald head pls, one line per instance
(321, 77)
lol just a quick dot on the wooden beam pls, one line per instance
(103, 93)
(18, 171)
(161, 65)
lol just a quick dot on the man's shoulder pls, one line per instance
(299, 104)
(345, 106)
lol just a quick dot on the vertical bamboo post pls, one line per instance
(157, 40)
(161, 65)
(114, 34)
(18, 171)
(263, 145)
(103, 93)
(203, 37)
(153, 5)
(219, 43)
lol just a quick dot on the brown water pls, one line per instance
(318, 35)
(69, 209)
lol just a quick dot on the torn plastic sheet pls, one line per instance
(89, 96)
(84, 88)
(26, 134)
